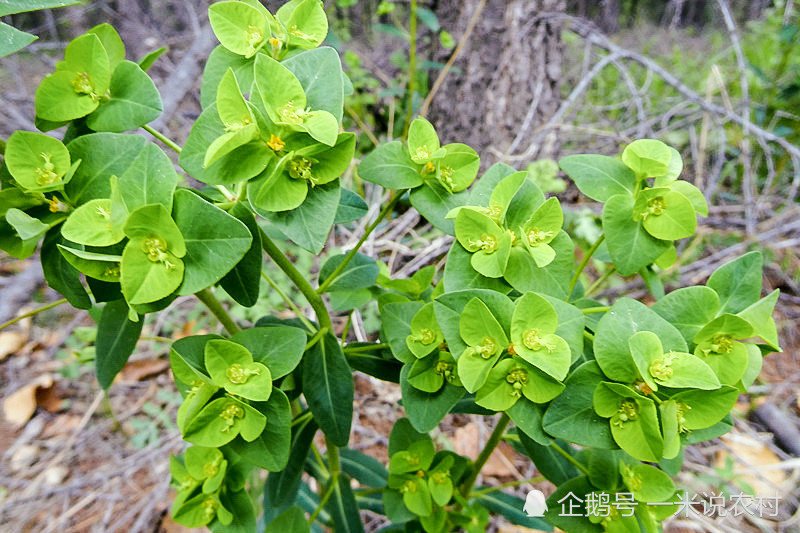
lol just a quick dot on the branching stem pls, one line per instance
(36, 311)
(163, 138)
(213, 305)
(584, 262)
(352, 253)
(486, 452)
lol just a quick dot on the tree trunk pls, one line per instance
(508, 82)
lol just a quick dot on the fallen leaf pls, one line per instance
(20, 406)
(465, 442)
(23, 457)
(751, 456)
(10, 342)
(55, 475)
(500, 463)
(139, 370)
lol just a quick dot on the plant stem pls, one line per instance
(314, 299)
(352, 253)
(315, 339)
(593, 287)
(591, 310)
(163, 138)
(210, 301)
(323, 501)
(333, 458)
(412, 66)
(371, 347)
(584, 262)
(588, 335)
(486, 452)
(334, 469)
(36, 311)
(569, 458)
(289, 302)
(517, 483)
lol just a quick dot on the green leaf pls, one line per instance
(459, 274)
(483, 190)
(692, 193)
(308, 225)
(328, 387)
(434, 202)
(553, 279)
(27, 227)
(449, 308)
(647, 158)
(630, 245)
(151, 179)
(279, 348)
(90, 224)
(219, 61)
(112, 43)
(37, 161)
(396, 326)
(648, 483)
(116, 341)
(367, 470)
(231, 366)
(351, 207)
(60, 274)
(271, 448)
(426, 410)
(571, 416)
(134, 101)
(706, 408)
(187, 356)
(222, 420)
(665, 214)
(390, 166)
(423, 142)
(292, 520)
(425, 335)
(527, 416)
(238, 165)
(360, 273)
(532, 332)
(74, 90)
(243, 282)
(241, 28)
(102, 155)
(215, 241)
(599, 177)
(320, 73)
(282, 486)
(688, 309)
(150, 58)
(625, 318)
(634, 424)
(145, 280)
(457, 169)
(759, 315)
(738, 282)
(510, 508)
(550, 463)
(13, 39)
(98, 266)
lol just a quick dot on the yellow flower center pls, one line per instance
(275, 143)
(236, 373)
(82, 84)
(230, 414)
(45, 174)
(536, 236)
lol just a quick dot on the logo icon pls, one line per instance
(535, 504)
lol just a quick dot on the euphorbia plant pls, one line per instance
(505, 329)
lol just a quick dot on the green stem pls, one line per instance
(314, 299)
(486, 452)
(591, 310)
(569, 458)
(161, 137)
(36, 311)
(315, 339)
(333, 458)
(371, 347)
(588, 335)
(602, 279)
(517, 483)
(289, 302)
(352, 253)
(213, 305)
(412, 66)
(584, 262)
(323, 501)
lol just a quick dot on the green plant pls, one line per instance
(508, 326)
